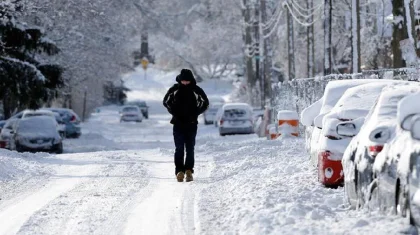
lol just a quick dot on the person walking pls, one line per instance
(185, 101)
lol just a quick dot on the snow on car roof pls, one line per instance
(335, 89)
(389, 99)
(237, 106)
(357, 101)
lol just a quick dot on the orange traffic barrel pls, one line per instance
(288, 123)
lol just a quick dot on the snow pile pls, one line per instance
(14, 165)
(269, 187)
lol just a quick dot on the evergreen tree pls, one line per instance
(24, 81)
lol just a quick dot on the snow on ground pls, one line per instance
(118, 178)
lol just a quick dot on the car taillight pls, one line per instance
(375, 150)
(331, 137)
(221, 121)
(325, 154)
(73, 118)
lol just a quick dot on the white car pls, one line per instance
(210, 114)
(236, 118)
(353, 105)
(37, 134)
(131, 113)
(333, 91)
(376, 131)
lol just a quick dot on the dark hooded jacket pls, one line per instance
(185, 102)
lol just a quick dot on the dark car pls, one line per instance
(37, 134)
(71, 121)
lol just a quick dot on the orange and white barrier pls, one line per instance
(288, 123)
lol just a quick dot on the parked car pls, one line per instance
(61, 128)
(394, 167)
(236, 119)
(307, 119)
(70, 120)
(37, 134)
(360, 155)
(210, 114)
(413, 186)
(142, 106)
(131, 114)
(6, 133)
(353, 105)
(333, 91)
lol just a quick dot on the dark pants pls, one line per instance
(184, 136)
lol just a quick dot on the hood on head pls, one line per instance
(186, 75)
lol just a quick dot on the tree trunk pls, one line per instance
(267, 58)
(399, 32)
(327, 37)
(355, 35)
(310, 43)
(291, 46)
(248, 49)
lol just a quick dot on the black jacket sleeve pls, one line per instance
(168, 100)
(203, 101)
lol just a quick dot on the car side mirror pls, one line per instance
(415, 128)
(380, 135)
(406, 122)
(346, 129)
(318, 121)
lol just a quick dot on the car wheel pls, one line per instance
(401, 202)
(60, 149)
(18, 147)
(373, 198)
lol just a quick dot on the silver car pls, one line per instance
(131, 114)
(237, 118)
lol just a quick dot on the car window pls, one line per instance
(234, 113)
(129, 109)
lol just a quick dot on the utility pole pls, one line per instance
(310, 42)
(327, 37)
(84, 105)
(291, 44)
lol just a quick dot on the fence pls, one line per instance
(300, 93)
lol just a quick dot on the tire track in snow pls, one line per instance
(15, 215)
(97, 206)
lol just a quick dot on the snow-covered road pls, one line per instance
(118, 178)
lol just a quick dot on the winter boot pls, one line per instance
(180, 176)
(189, 176)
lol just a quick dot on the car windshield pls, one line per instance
(37, 114)
(37, 125)
(129, 109)
(234, 113)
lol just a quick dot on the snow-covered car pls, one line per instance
(6, 133)
(236, 119)
(413, 187)
(360, 155)
(61, 127)
(210, 114)
(71, 121)
(307, 119)
(353, 105)
(390, 189)
(37, 134)
(332, 93)
(131, 114)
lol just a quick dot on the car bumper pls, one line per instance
(236, 130)
(46, 148)
(128, 119)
